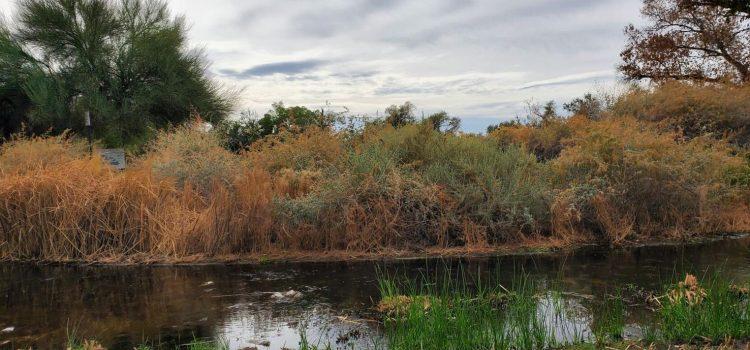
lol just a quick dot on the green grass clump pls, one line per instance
(609, 321)
(719, 311)
(447, 315)
(196, 344)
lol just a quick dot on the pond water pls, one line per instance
(40, 306)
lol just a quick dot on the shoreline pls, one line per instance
(338, 256)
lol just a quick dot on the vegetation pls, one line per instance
(689, 40)
(462, 309)
(665, 162)
(709, 312)
(560, 180)
(126, 61)
(452, 312)
(451, 315)
(240, 134)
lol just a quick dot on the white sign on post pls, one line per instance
(114, 156)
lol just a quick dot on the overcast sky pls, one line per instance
(477, 59)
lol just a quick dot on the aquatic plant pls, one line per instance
(464, 313)
(707, 311)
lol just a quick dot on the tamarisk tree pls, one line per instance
(127, 61)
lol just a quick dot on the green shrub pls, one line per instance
(195, 157)
(713, 311)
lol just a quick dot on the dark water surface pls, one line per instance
(125, 306)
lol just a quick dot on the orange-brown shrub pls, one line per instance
(78, 208)
(312, 149)
(545, 140)
(409, 188)
(624, 179)
(192, 156)
(723, 111)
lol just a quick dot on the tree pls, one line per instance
(398, 116)
(741, 6)
(126, 61)
(241, 133)
(588, 106)
(689, 40)
(441, 121)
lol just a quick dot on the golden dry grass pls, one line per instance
(411, 189)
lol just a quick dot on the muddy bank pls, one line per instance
(530, 247)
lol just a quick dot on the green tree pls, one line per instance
(589, 106)
(126, 61)
(242, 132)
(398, 116)
(441, 121)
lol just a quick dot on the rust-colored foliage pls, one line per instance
(411, 188)
(688, 40)
(624, 179)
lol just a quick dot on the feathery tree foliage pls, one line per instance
(126, 61)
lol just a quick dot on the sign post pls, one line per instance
(90, 131)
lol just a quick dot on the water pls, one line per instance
(125, 306)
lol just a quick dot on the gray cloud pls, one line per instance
(570, 80)
(472, 58)
(286, 68)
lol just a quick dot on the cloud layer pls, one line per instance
(473, 58)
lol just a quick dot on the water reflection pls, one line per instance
(124, 306)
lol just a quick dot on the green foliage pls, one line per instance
(240, 134)
(609, 320)
(589, 106)
(194, 157)
(398, 116)
(441, 121)
(503, 190)
(445, 313)
(126, 61)
(722, 313)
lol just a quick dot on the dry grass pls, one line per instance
(408, 189)
(624, 179)
(722, 111)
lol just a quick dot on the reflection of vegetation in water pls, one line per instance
(451, 310)
(194, 345)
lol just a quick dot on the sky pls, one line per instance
(481, 60)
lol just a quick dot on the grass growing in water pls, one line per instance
(443, 314)
(609, 323)
(196, 344)
(709, 312)
(477, 315)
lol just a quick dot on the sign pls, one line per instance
(115, 157)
